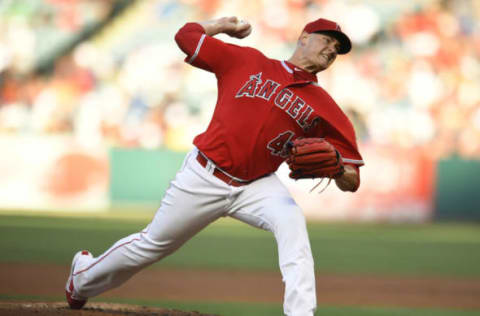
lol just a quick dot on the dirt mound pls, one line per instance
(93, 309)
(43, 280)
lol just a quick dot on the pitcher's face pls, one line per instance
(320, 50)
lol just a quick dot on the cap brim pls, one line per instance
(345, 43)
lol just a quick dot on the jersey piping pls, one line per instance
(197, 50)
(286, 67)
(354, 161)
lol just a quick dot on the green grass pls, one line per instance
(256, 309)
(449, 250)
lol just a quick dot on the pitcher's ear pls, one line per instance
(302, 40)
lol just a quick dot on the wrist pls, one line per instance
(220, 25)
(211, 27)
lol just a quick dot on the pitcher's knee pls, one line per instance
(292, 238)
(291, 219)
(158, 249)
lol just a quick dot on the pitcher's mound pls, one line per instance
(92, 309)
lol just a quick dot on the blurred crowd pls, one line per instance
(412, 79)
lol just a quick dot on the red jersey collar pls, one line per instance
(298, 73)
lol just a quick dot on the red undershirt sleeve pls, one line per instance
(207, 52)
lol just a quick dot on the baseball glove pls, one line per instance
(314, 158)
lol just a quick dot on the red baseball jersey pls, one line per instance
(262, 104)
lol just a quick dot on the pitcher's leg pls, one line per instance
(190, 204)
(268, 205)
(127, 256)
(296, 262)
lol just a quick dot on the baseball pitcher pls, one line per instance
(268, 111)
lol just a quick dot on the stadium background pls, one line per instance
(97, 110)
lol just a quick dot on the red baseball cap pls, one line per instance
(324, 26)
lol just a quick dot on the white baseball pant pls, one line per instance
(194, 199)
